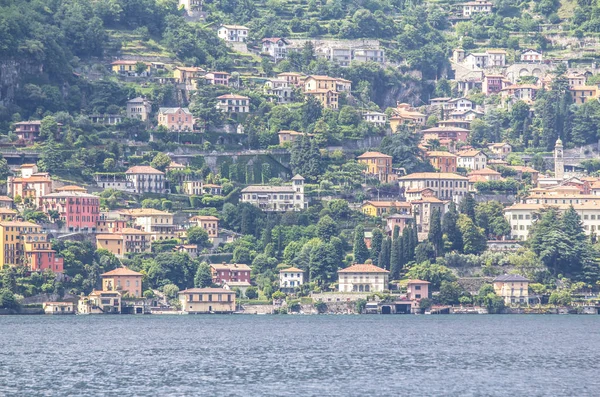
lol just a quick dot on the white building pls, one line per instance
(290, 279)
(445, 186)
(276, 198)
(472, 159)
(363, 278)
(531, 56)
(233, 33)
(476, 7)
(145, 179)
(280, 89)
(276, 47)
(232, 103)
(377, 118)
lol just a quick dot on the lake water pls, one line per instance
(300, 355)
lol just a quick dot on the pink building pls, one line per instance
(78, 210)
(217, 78)
(400, 220)
(493, 84)
(176, 119)
(417, 290)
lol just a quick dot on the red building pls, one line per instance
(77, 209)
(226, 272)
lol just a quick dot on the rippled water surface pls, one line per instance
(300, 355)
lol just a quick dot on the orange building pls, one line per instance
(208, 223)
(378, 164)
(442, 161)
(123, 280)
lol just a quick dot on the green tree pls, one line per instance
(450, 228)
(376, 245)
(384, 256)
(197, 235)
(435, 235)
(467, 206)
(161, 161)
(251, 293)
(360, 250)
(474, 241)
(203, 278)
(433, 273)
(326, 228)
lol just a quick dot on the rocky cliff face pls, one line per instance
(12, 72)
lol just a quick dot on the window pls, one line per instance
(417, 287)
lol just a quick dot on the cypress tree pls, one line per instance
(396, 259)
(406, 246)
(360, 250)
(450, 228)
(467, 206)
(384, 255)
(376, 244)
(436, 236)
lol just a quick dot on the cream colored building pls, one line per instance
(156, 222)
(513, 288)
(363, 278)
(126, 241)
(207, 300)
(233, 33)
(522, 216)
(276, 198)
(139, 108)
(445, 186)
(208, 223)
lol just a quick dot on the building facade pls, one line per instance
(290, 279)
(445, 186)
(124, 280)
(276, 198)
(145, 179)
(227, 272)
(363, 278)
(176, 119)
(207, 300)
(513, 288)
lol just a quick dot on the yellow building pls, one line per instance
(208, 223)
(584, 93)
(100, 302)
(378, 164)
(380, 208)
(156, 222)
(207, 300)
(12, 249)
(328, 98)
(513, 288)
(126, 66)
(127, 241)
(7, 214)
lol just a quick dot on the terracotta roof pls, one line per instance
(32, 179)
(523, 168)
(291, 270)
(7, 211)
(70, 193)
(417, 281)
(204, 218)
(373, 155)
(477, 178)
(232, 96)
(143, 212)
(121, 271)
(130, 230)
(445, 129)
(484, 171)
(387, 204)
(440, 154)
(432, 175)
(115, 236)
(20, 224)
(143, 169)
(70, 188)
(363, 269)
(470, 153)
(431, 199)
(230, 266)
(206, 291)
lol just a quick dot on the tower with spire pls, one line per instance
(559, 160)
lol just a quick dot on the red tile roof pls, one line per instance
(366, 268)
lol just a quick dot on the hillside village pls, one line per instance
(299, 156)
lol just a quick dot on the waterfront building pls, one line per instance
(123, 280)
(207, 300)
(513, 288)
(290, 279)
(363, 278)
(226, 272)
